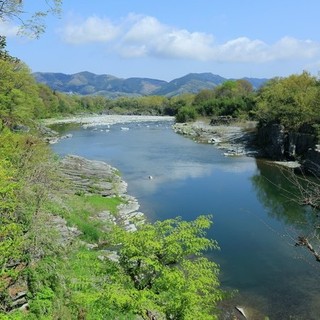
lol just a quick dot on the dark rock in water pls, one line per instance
(271, 138)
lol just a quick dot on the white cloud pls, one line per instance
(93, 29)
(141, 36)
(289, 47)
(7, 29)
(144, 29)
(244, 50)
(149, 37)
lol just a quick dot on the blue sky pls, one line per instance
(168, 39)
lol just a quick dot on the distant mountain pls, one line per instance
(192, 83)
(87, 83)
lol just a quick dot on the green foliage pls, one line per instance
(27, 174)
(203, 96)
(148, 105)
(18, 94)
(291, 101)
(161, 271)
(97, 287)
(186, 113)
(84, 208)
(165, 261)
(232, 98)
(4, 54)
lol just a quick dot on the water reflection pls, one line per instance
(281, 197)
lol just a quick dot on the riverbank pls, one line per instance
(104, 120)
(235, 139)
(92, 122)
(97, 178)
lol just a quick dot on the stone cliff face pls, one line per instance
(311, 162)
(277, 143)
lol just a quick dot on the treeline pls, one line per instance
(292, 101)
(23, 100)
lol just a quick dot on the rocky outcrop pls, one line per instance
(277, 143)
(14, 289)
(236, 138)
(92, 177)
(65, 234)
(97, 177)
(311, 162)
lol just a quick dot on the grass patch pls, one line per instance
(83, 210)
(104, 203)
(91, 229)
(80, 211)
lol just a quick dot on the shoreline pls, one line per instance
(93, 177)
(99, 120)
(52, 137)
(235, 140)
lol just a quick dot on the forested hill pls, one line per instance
(86, 83)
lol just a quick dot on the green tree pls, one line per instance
(231, 98)
(291, 101)
(203, 96)
(4, 54)
(244, 87)
(185, 114)
(228, 89)
(166, 264)
(18, 93)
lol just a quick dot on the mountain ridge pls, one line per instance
(88, 83)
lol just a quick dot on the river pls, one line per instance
(255, 220)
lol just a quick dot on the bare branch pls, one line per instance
(31, 24)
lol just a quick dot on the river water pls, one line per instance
(255, 219)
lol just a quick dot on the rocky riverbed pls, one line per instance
(93, 121)
(235, 139)
(99, 120)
